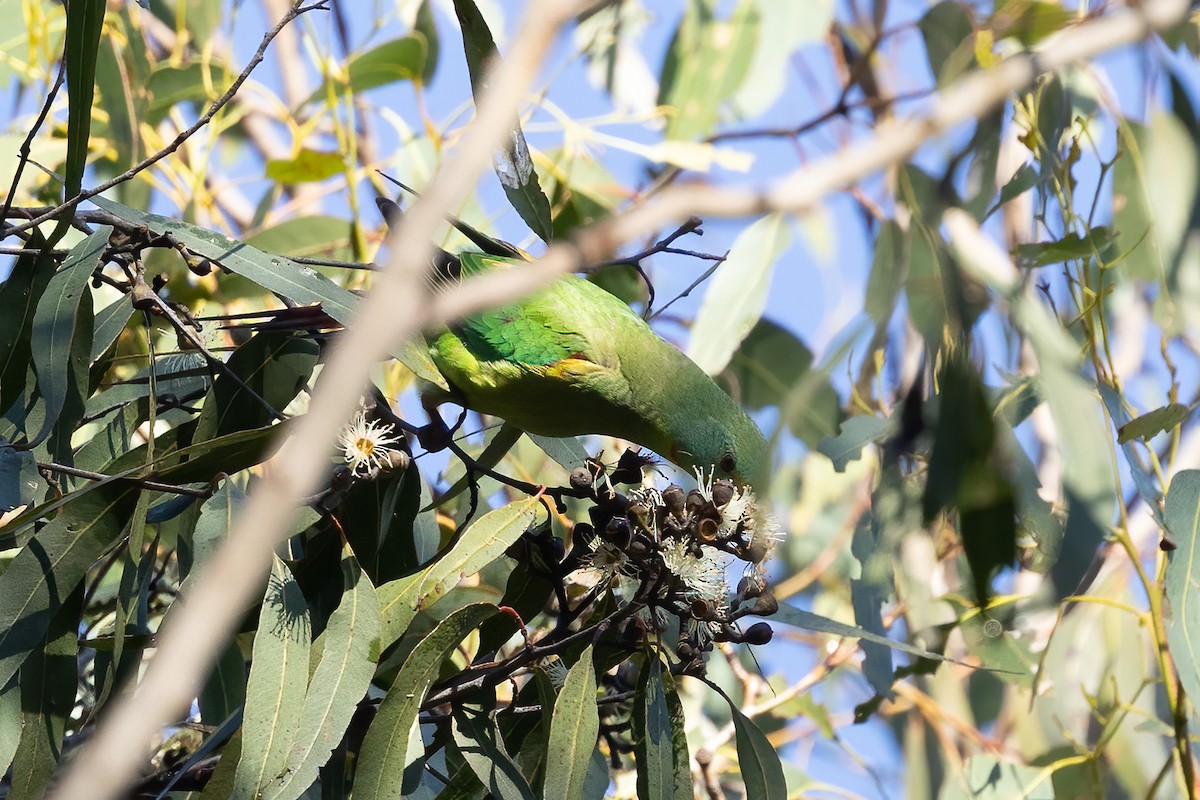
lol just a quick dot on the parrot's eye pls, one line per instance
(728, 463)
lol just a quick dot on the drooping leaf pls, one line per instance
(513, 163)
(567, 452)
(350, 648)
(384, 753)
(1145, 484)
(10, 722)
(277, 685)
(402, 59)
(661, 749)
(758, 761)
(85, 21)
(791, 615)
(54, 324)
(110, 321)
(573, 731)
(737, 294)
(888, 269)
(19, 297)
(986, 777)
(48, 686)
(949, 40)
(19, 478)
(1098, 241)
(868, 593)
(1183, 566)
(275, 366)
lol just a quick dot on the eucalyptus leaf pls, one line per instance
(55, 324)
(277, 686)
(573, 731)
(384, 754)
(737, 294)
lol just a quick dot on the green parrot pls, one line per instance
(573, 359)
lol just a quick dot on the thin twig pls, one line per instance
(156, 486)
(296, 10)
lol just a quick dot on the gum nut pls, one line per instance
(685, 651)
(758, 550)
(637, 549)
(749, 587)
(581, 478)
(702, 609)
(722, 491)
(617, 532)
(766, 605)
(675, 500)
(707, 530)
(758, 633)
(695, 501)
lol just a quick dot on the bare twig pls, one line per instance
(156, 486)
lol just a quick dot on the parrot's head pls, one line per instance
(731, 446)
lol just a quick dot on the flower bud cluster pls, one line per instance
(670, 552)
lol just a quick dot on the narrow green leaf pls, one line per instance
(49, 683)
(481, 544)
(737, 295)
(400, 59)
(706, 63)
(798, 617)
(568, 451)
(762, 773)
(274, 273)
(110, 321)
(482, 748)
(949, 40)
(54, 324)
(44, 573)
(660, 741)
(19, 297)
(1097, 241)
(573, 731)
(307, 166)
(277, 685)
(85, 21)
(276, 366)
(1145, 484)
(10, 723)
(1183, 575)
(384, 753)
(1152, 423)
(513, 163)
(986, 777)
(19, 478)
(350, 648)
(855, 434)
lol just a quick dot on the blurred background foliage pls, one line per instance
(997, 476)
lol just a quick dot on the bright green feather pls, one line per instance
(573, 359)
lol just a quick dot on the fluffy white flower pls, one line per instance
(367, 446)
(606, 560)
(704, 577)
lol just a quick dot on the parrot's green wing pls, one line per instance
(535, 333)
